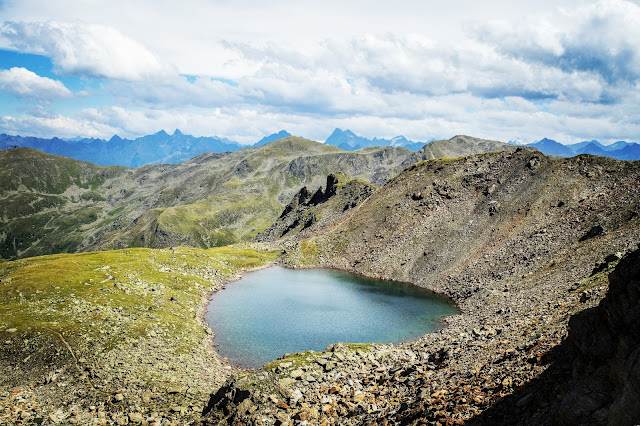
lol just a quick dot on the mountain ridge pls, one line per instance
(620, 150)
(513, 238)
(349, 141)
(56, 204)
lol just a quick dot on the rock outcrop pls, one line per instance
(605, 341)
(309, 212)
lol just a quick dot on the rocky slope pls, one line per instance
(54, 204)
(459, 146)
(309, 211)
(521, 241)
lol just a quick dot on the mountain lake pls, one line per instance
(274, 311)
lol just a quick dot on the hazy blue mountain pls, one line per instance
(618, 145)
(551, 147)
(274, 137)
(576, 147)
(593, 148)
(157, 148)
(401, 141)
(620, 150)
(349, 141)
(629, 152)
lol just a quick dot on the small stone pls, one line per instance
(282, 405)
(297, 374)
(335, 389)
(613, 257)
(286, 382)
(296, 396)
(330, 365)
(584, 296)
(118, 397)
(135, 418)
(146, 396)
(57, 417)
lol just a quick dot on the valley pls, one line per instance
(525, 244)
(54, 204)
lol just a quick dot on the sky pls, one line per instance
(243, 69)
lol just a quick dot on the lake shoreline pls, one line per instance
(330, 305)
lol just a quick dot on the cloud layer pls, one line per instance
(570, 74)
(82, 49)
(26, 84)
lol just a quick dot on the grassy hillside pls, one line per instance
(54, 204)
(112, 323)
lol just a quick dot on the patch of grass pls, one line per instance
(109, 297)
(293, 361)
(221, 220)
(308, 251)
(26, 203)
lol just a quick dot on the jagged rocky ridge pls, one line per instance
(307, 212)
(521, 241)
(54, 204)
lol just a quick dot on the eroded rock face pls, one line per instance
(309, 211)
(606, 340)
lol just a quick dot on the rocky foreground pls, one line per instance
(113, 337)
(528, 246)
(523, 243)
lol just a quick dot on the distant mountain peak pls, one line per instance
(349, 141)
(273, 137)
(177, 132)
(518, 141)
(337, 132)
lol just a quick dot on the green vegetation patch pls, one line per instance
(106, 298)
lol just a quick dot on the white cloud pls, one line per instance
(23, 83)
(61, 126)
(599, 38)
(413, 68)
(85, 49)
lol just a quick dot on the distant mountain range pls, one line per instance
(159, 148)
(349, 141)
(163, 148)
(620, 150)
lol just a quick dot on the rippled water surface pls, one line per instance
(277, 310)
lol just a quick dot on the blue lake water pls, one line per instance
(275, 311)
